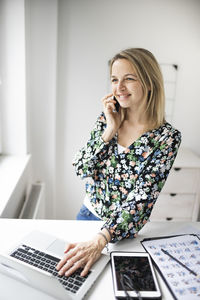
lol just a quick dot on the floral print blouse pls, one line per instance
(123, 187)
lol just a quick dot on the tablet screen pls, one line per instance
(138, 269)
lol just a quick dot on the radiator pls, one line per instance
(34, 204)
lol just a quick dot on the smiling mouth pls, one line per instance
(124, 96)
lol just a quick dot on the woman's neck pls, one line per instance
(136, 117)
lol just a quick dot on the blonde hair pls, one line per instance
(150, 76)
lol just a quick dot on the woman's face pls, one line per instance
(126, 86)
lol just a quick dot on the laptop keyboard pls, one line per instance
(48, 263)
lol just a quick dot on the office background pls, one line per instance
(62, 54)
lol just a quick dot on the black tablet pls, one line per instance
(134, 276)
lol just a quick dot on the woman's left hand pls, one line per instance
(81, 255)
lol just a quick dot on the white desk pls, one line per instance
(12, 230)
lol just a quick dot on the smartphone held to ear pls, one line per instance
(116, 105)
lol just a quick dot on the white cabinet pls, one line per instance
(180, 197)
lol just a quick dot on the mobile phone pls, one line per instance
(134, 276)
(117, 105)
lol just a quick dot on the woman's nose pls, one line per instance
(121, 85)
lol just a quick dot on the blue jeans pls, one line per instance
(86, 215)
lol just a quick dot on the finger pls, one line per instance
(109, 101)
(70, 262)
(70, 246)
(107, 96)
(111, 106)
(64, 260)
(61, 263)
(87, 268)
(74, 268)
(66, 257)
(66, 267)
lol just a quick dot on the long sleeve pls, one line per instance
(89, 157)
(125, 218)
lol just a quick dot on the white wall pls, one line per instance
(90, 33)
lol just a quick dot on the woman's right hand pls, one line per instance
(113, 118)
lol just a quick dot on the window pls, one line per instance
(13, 87)
(0, 119)
(169, 72)
(13, 138)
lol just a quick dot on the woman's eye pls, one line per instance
(113, 80)
(130, 79)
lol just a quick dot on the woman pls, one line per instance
(127, 158)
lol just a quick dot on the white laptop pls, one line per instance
(33, 261)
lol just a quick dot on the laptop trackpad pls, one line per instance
(57, 248)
